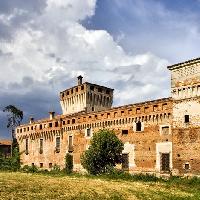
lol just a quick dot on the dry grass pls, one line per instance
(38, 186)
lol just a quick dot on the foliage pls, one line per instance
(68, 163)
(103, 154)
(29, 169)
(15, 116)
(11, 163)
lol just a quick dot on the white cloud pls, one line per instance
(54, 45)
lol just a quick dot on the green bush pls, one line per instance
(103, 154)
(55, 169)
(12, 163)
(68, 163)
(29, 169)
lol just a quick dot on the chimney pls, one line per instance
(51, 115)
(31, 120)
(80, 80)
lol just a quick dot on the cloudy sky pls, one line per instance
(123, 44)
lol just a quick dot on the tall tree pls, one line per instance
(15, 117)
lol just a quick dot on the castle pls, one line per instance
(160, 136)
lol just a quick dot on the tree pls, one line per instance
(15, 117)
(68, 163)
(104, 152)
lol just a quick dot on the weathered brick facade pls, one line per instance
(155, 135)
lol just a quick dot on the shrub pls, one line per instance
(55, 169)
(68, 163)
(29, 169)
(103, 154)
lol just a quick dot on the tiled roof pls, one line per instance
(5, 142)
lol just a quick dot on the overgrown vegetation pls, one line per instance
(68, 163)
(104, 152)
(10, 163)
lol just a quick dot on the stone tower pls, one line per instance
(86, 97)
(185, 89)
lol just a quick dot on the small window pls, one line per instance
(70, 144)
(146, 109)
(57, 144)
(50, 165)
(67, 92)
(122, 113)
(50, 124)
(137, 110)
(187, 118)
(63, 94)
(124, 132)
(26, 147)
(155, 108)
(76, 89)
(71, 91)
(187, 166)
(92, 88)
(33, 164)
(88, 132)
(129, 111)
(56, 124)
(68, 121)
(40, 126)
(165, 130)
(92, 108)
(82, 87)
(73, 121)
(138, 126)
(63, 122)
(31, 127)
(41, 165)
(41, 146)
(107, 92)
(99, 90)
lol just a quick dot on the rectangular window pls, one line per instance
(41, 146)
(138, 126)
(63, 122)
(124, 132)
(41, 165)
(56, 124)
(26, 147)
(70, 144)
(187, 118)
(146, 109)
(50, 165)
(57, 144)
(73, 121)
(155, 108)
(165, 130)
(40, 126)
(50, 125)
(88, 132)
(138, 111)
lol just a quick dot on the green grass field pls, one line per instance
(18, 185)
